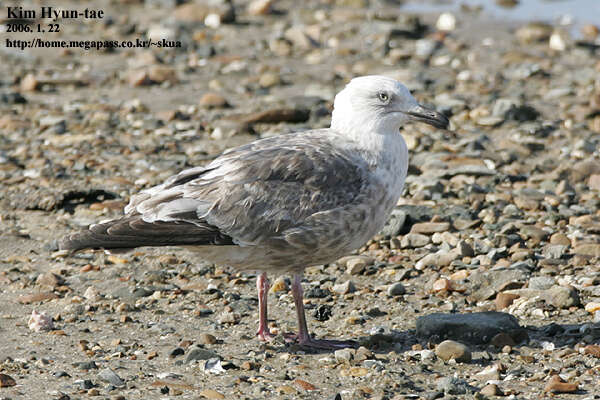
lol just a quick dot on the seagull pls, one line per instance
(282, 203)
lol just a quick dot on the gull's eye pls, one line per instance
(384, 97)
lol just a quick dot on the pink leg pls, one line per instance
(303, 337)
(262, 284)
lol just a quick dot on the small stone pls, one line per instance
(260, 7)
(534, 32)
(414, 240)
(229, 318)
(29, 83)
(557, 385)
(396, 289)
(452, 350)
(441, 258)
(491, 390)
(590, 31)
(588, 249)
(490, 121)
(40, 322)
(92, 294)
(213, 100)
(592, 349)
(269, 79)
(502, 339)
(344, 288)
(503, 300)
(177, 351)
(162, 73)
(211, 394)
(592, 307)
(108, 375)
(594, 182)
(286, 389)
(50, 279)
(446, 22)
(476, 328)
(430, 227)
(199, 353)
(558, 41)
(465, 249)
(138, 77)
(305, 385)
(356, 265)
(452, 385)
(280, 285)
(441, 285)
(561, 296)
(344, 355)
(206, 338)
(7, 381)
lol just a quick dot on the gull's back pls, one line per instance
(283, 202)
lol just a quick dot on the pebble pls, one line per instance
(491, 389)
(213, 100)
(557, 385)
(452, 350)
(206, 338)
(7, 381)
(475, 328)
(40, 322)
(344, 288)
(446, 22)
(108, 375)
(356, 265)
(211, 394)
(397, 289)
(413, 240)
(430, 227)
(260, 7)
(200, 354)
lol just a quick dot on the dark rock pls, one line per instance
(84, 384)
(476, 328)
(322, 312)
(13, 98)
(316, 293)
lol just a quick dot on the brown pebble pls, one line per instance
(29, 83)
(557, 385)
(504, 300)
(7, 381)
(491, 390)
(592, 349)
(151, 355)
(37, 297)
(305, 385)
(213, 100)
(125, 318)
(207, 338)
(441, 285)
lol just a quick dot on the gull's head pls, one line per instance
(379, 103)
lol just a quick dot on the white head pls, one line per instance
(380, 104)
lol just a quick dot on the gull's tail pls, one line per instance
(132, 231)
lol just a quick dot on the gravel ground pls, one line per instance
(485, 282)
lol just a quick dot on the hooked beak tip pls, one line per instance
(431, 117)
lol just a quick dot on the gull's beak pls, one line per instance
(431, 117)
